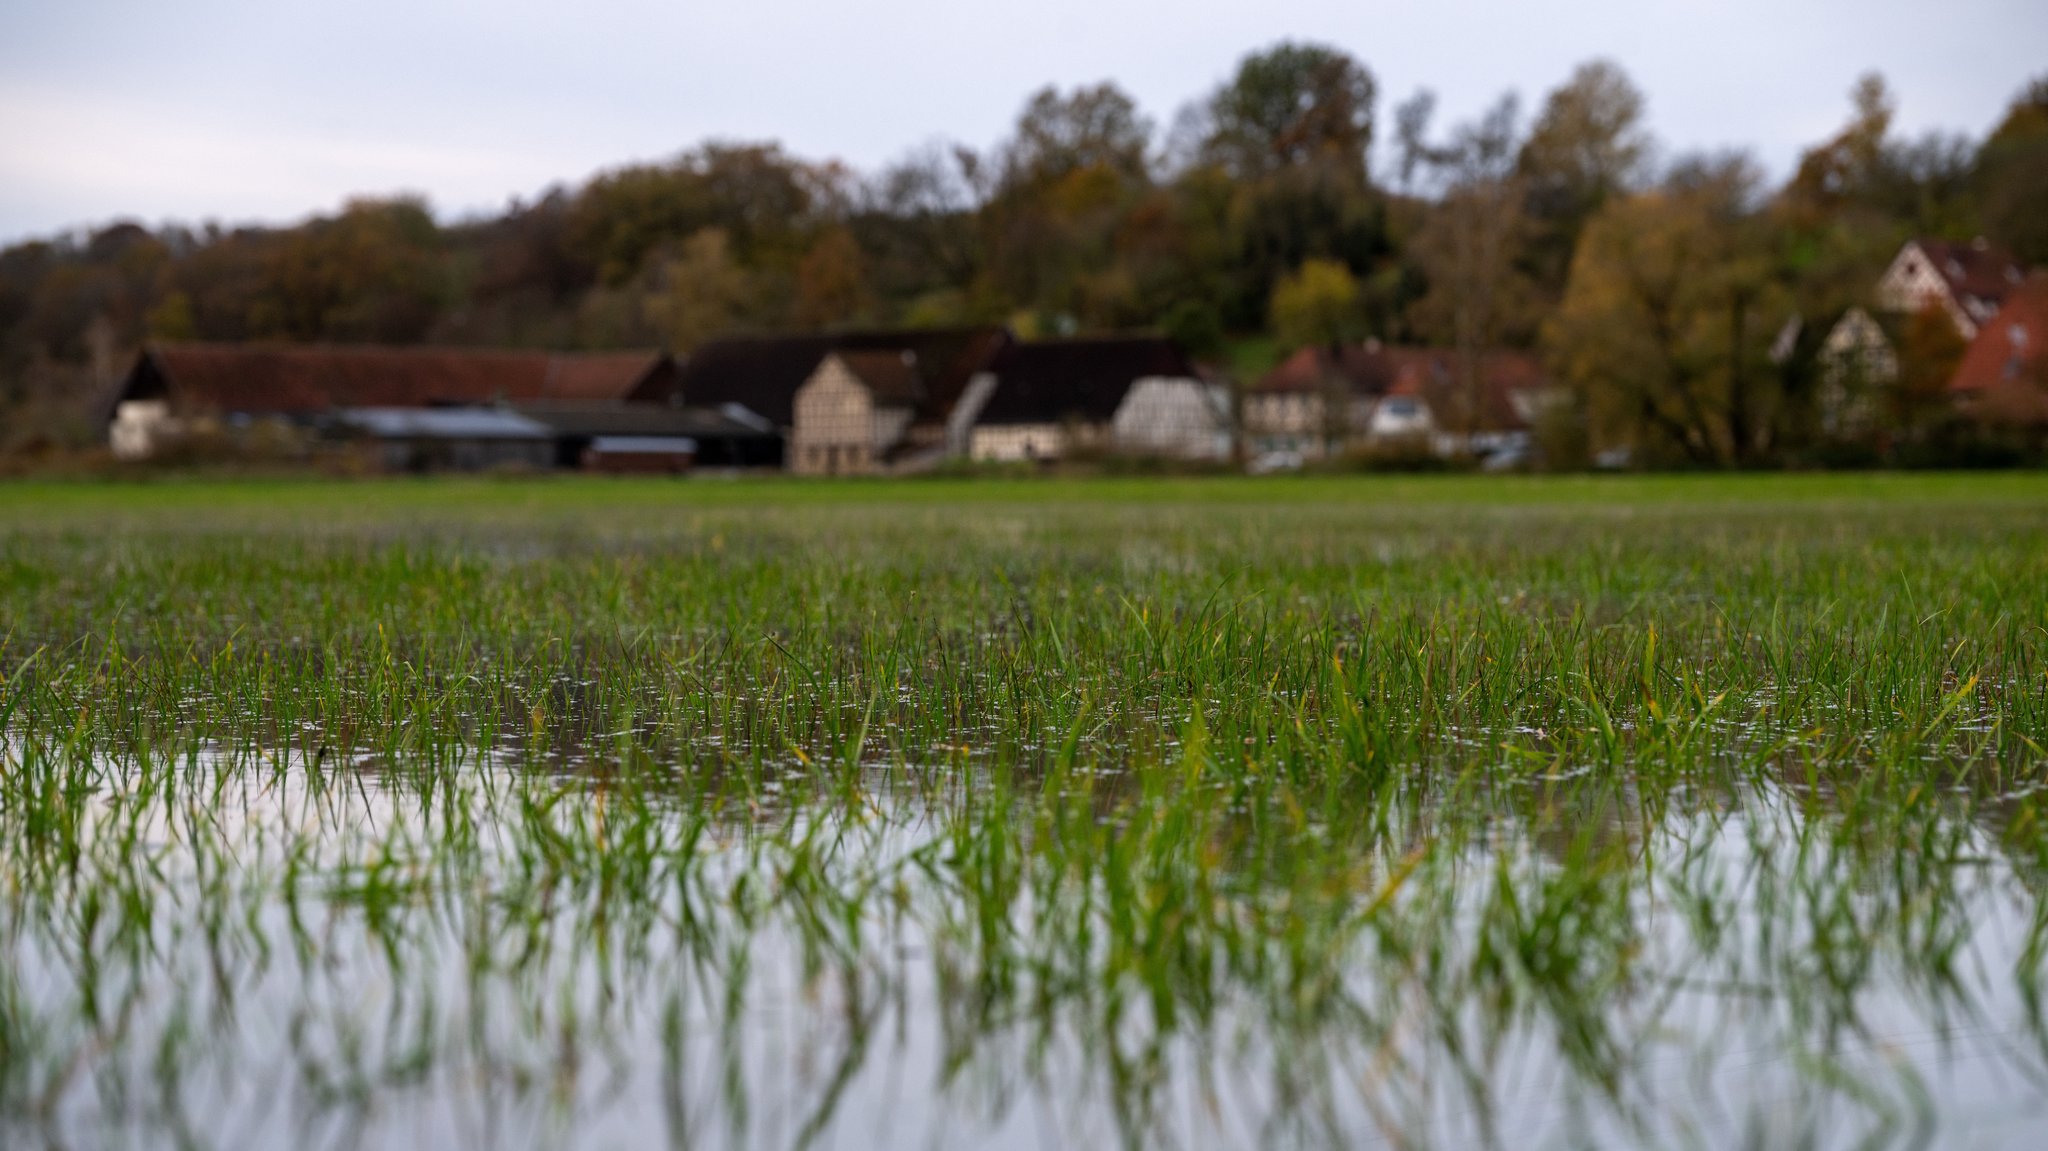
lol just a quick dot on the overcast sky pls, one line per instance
(239, 110)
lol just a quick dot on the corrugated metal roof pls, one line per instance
(643, 445)
(639, 420)
(444, 424)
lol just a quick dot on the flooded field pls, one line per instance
(1445, 813)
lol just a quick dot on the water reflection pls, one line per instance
(224, 947)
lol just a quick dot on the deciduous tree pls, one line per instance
(1661, 331)
(698, 292)
(1294, 106)
(1587, 146)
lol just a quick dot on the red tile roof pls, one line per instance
(287, 380)
(2004, 374)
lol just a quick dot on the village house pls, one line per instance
(2003, 376)
(1969, 282)
(1858, 358)
(1322, 402)
(1857, 361)
(1131, 395)
(1315, 402)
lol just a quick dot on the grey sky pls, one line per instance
(238, 110)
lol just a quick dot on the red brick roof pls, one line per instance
(2004, 373)
(286, 380)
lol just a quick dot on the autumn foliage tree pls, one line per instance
(1661, 332)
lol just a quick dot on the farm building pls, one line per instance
(852, 410)
(593, 435)
(845, 403)
(452, 439)
(1137, 395)
(177, 391)
(866, 402)
(922, 376)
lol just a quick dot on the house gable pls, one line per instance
(1174, 416)
(851, 411)
(1913, 281)
(1968, 281)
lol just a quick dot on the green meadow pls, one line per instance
(1293, 812)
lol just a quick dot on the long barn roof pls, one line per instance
(287, 380)
(1052, 381)
(763, 373)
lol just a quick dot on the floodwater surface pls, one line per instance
(1163, 821)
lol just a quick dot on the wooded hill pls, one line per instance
(1654, 285)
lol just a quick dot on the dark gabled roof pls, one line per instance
(1974, 272)
(760, 374)
(763, 373)
(945, 359)
(268, 379)
(1052, 381)
(891, 376)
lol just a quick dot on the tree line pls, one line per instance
(1654, 285)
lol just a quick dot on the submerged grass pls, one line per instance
(1428, 813)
